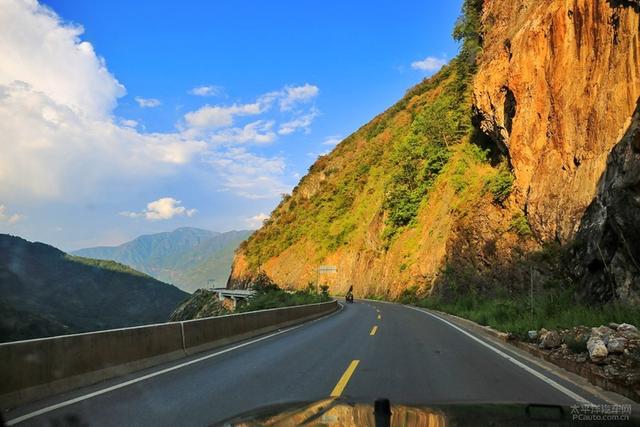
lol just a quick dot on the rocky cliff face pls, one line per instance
(554, 92)
(607, 254)
(556, 87)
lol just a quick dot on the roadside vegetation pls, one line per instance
(270, 295)
(555, 303)
(555, 310)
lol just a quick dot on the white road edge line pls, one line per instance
(154, 374)
(516, 362)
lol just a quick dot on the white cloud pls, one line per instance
(332, 141)
(147, 102)
(257, 132)
(430, 63)
(7, 217)
(60, 122)
(68, 154)
(315, 155)
(129, 123)
(37, 48)
(205, 91)
(301, 122)
(290, 96)
(218, 116)
(256, 221)
(249, 175)
(59, 129)
(223, 116)
(163, 208)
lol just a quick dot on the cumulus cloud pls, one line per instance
(256, 221)
(60, 122)
(68, 154)
(205, 91)
(163, 208)
(430, 63)
(61, 132)
(332, 141)
(7, 217)
(147, 102)
(38, 49)
(249, 175)
(299, 123)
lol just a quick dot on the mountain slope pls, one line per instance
(44, 291)
(382, 204)
(467, 181)
(188, 257)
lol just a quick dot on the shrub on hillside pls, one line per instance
(501, 184)
(409, 295)
(520, 225)
(468, 29)
(324, 290)
(262, 284)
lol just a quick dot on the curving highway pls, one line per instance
(366, 350)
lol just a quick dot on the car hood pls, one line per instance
(345, 412)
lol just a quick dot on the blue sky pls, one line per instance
(135, 117)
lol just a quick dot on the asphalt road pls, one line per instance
(366, 351)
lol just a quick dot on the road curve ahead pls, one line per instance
(366, 351)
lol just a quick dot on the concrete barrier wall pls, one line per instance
(34, 369)
(203, 334)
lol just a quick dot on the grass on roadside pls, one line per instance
(553, 311)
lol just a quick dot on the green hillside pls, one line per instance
(190, 258)
(44, 291)
(383, 206)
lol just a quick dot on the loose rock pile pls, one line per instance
(611, 352)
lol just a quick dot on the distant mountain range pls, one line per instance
(44, 292)
(190, 258)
